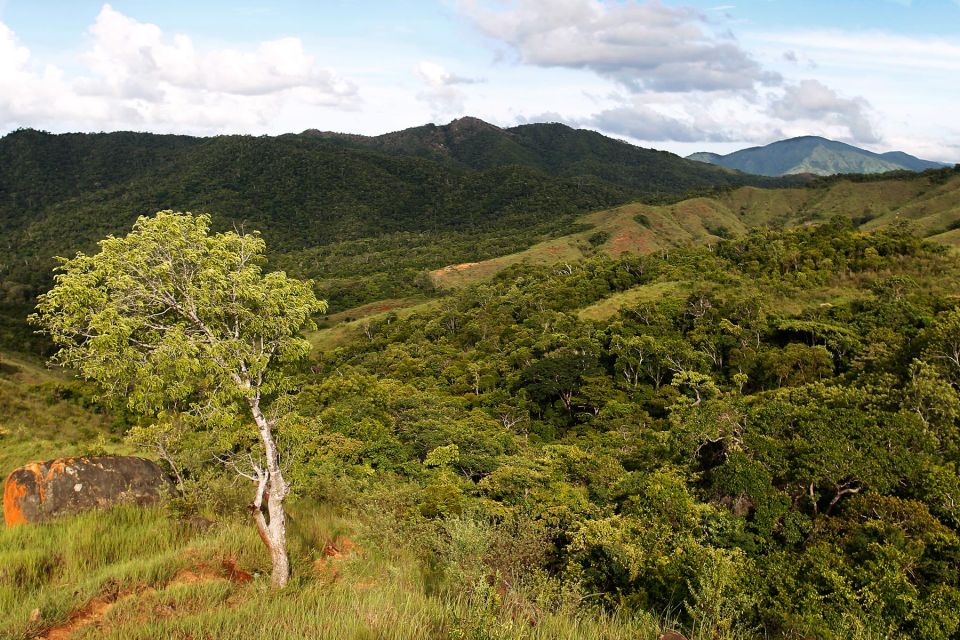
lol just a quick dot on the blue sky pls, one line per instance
(681, 75)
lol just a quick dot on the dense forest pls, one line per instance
(758, 438)
(732, 449)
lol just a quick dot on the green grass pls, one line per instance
(46, 414)
(608, 307)
(154, 577)
(57, 568)
(338, 329)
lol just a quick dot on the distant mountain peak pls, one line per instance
(814, 155)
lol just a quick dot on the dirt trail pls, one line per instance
(90, 614)
(94, 611)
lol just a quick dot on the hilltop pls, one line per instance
(814, 155)
(552, 148)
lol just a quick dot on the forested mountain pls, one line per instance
(371, 217)
(816, 155)
(381, 212)
(553, 148)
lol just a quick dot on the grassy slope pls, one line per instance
(930, 207)
(131, 574)
(43, 414)
(339, 328)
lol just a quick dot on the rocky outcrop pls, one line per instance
(42, 490)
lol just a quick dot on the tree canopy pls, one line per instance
(184, 326)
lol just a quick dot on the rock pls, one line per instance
(42, 490)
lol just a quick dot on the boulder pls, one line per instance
(42, 490)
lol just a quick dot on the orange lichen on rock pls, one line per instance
(13, 493)
(41, 490)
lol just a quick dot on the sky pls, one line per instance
(680, 75)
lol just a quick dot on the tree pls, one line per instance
(186, 326)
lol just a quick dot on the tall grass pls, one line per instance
(49, 571)
(135, 559)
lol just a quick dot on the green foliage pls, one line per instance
(177, 324)
(766, 447)
(711, 452)
(642, 220)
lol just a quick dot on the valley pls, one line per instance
(480, 320)
(551, 412)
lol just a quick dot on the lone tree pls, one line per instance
(185, 326)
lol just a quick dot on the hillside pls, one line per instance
(365, 217)
(696, 439)
(634, 415)
(814, 155)
(47, 413)
(930, 203)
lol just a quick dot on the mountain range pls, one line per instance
(363, 214)
(814, 155)
(551, 148)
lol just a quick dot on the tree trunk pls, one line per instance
(273, 487)
(278, 533)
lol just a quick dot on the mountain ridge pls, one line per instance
(553, 148)
(365, 217)
(814, 155)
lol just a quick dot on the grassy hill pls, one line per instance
(46, 413)
(930, 203)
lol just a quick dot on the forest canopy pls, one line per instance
(734, 449)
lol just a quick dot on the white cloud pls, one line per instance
(441, 93)
(29, 92)
(135, 76)
(642, 46)
(641, 121)
(813, 101)
(654, 50)
(134, 57)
